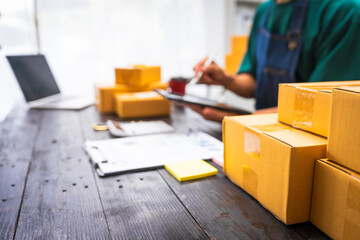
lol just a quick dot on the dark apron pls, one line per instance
(277, 56)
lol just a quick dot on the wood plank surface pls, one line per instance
(49, 190)
(225, 211)
(17, 137)
(222, 209)
(140, 205)
(249, 219)
(61, 200)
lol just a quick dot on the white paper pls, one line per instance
(125, 154)
(142, 128)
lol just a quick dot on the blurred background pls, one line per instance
(84, 40)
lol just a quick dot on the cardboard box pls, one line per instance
(138, 75)
(335, 206)
(233, 61)
(239, 44)
(344, 133)
(272, 162)
(105, 94)
(238, 51)
(307, 105)
(142, 104)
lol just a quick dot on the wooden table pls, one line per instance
(49, 190)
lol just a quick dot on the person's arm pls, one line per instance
(242, 84)
(266, 110)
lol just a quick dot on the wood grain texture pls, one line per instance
(17, 137)
(308, 231)
(225, 211)
(61, 200)
(52, 192)
(141, 205)
(221, 208)
(251, 219)
(59, 130)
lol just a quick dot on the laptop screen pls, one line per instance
(34, 76)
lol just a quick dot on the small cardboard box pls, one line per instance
(142, 104)
(344, 133)
(335, 206)
(138, 75)
(272, 162)
(239, 44)
(307, 105)
(105, 94)
(232, 62)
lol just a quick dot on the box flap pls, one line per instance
(335, 205)
(340, 168)
(253, 120)
(350, 89)
(139, 96)
(298, 138)
(259, 159)
(344, 129)
(322, 84)
(283, 133)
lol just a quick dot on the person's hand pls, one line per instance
(212, 74)
(210, 113)
(199, 67)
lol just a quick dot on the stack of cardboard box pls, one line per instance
(272, 158)
(336, 194)
(237, 53)
(131, 96)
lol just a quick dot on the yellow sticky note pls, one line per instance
(190, 170)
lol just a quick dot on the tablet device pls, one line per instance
(203, 102)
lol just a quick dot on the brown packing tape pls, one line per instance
(351, 231)
(250, 180)
(303, 108)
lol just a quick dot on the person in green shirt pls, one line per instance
(292, 41)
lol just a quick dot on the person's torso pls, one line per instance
(318, 16)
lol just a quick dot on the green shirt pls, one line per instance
(331, 34)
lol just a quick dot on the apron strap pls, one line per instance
(294, 33)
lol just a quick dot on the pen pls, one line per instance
(208, 61)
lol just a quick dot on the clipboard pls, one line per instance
(202, 102)
(129, 154)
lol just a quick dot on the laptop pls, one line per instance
(39, 86)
